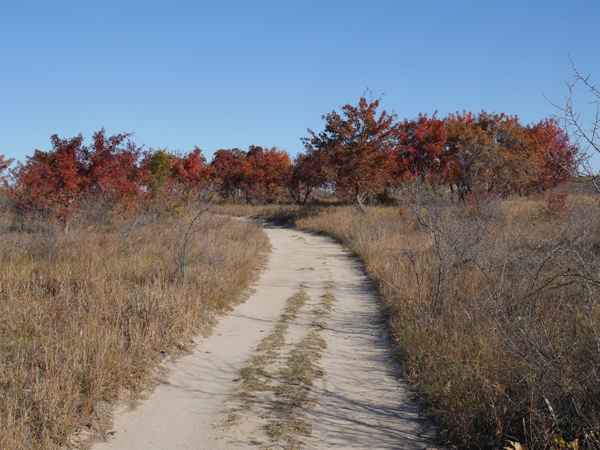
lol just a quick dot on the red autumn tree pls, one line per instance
(559, 158)
(308, 174)
(113, 173)
(267, 173)
(190, 173)
(54, 181)
(356, 148)
(421, 148)
(230, 172)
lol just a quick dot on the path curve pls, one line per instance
(360, 403)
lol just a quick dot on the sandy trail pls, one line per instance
(360, 404)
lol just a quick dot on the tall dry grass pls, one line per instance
(89, 312)
(494, 308)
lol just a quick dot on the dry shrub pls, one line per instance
(88, 312)
(557, 202)
(494, 307)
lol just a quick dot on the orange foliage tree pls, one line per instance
(267, 173)
(510, 163)
(496, 153)
(356, 148)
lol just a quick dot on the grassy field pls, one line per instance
(87, 312)
(493, 305)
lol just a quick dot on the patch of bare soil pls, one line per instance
(305, 362)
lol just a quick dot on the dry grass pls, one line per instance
(285, 371)
(494, 306)
(87, 313)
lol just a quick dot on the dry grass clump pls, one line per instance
(285, 370)
(495, 308)
(88, 312)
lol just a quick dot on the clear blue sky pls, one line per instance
(232, 73)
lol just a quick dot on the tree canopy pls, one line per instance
(361, 154)
(355, 148)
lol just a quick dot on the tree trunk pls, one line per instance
(359, 201)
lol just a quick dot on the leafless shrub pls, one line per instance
(580, 114)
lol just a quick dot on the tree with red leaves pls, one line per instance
(113, 174)
(56, 181)
(267, 173)
(559, 158)
(356, 147)
(421, 148)
(308, 173)
(190, 173)
(230, 172)
(52, 182)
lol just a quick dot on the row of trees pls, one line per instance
(360, 154)
(364, 154)
(114, 171)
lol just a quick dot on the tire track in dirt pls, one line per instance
(277, 385)
(348, 396)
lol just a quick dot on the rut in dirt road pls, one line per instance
(305, 362)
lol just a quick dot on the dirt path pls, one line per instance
(304, 363)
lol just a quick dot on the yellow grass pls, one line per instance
(87, 313)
